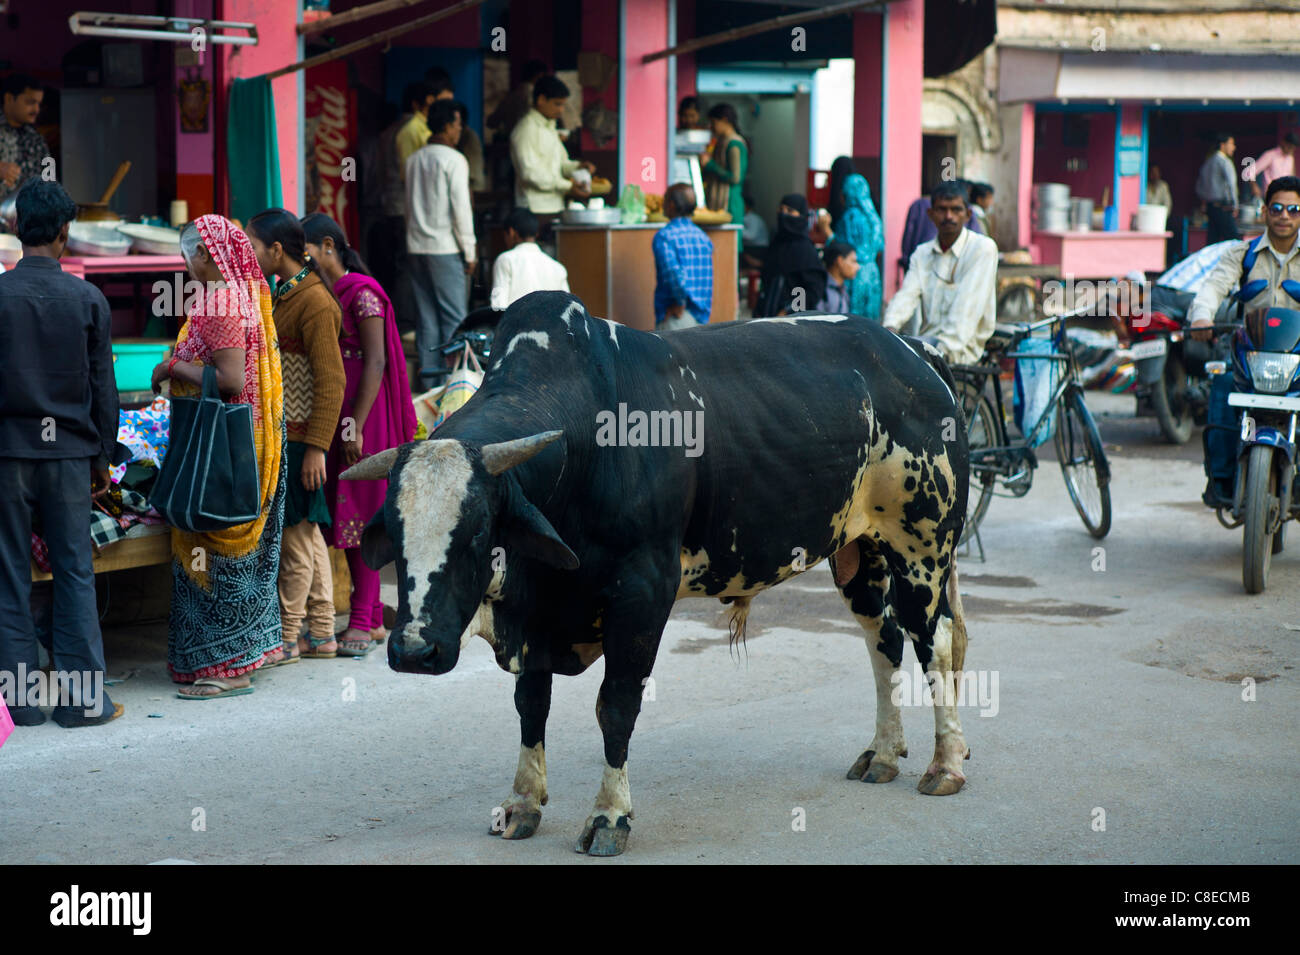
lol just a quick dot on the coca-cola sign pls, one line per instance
(330, 145)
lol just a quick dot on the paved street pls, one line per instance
(1117, 690)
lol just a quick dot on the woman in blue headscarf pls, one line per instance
(859, 226)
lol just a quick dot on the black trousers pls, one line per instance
(59, 490)
(1222, 226)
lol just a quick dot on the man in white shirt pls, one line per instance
(440, 244)
(952, 279)
(542, 165)
(525, 268)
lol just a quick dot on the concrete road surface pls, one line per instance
(1113, 727)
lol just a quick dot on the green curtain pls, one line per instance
(252, 154)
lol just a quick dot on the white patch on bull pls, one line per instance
(793, 319)
(540, 338)
(572, 309)
(530, 781)
(613, 332)
(431, 490)
(615, 796)
(694, 566)
(483, 623)
(696, 398)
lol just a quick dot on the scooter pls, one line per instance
(1265, 359)
(1172, 384)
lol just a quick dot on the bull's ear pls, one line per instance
(376, 546)
(531, 534)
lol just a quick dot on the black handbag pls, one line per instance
(208, 480)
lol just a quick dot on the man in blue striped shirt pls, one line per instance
(683, 265)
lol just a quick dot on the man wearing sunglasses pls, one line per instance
(1266, 269)
(952, 280)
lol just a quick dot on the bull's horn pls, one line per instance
(375, 466)
(506, 454)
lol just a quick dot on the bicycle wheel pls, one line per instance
(981, 432)
(1083, 462)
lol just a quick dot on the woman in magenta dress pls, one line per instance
(377, 414)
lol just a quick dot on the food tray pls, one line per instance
(94, 238)
(591, 217)
(152, 239)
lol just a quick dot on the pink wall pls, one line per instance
(194, 150)
(646, 138)
(277, 46)
(1025, 181)
(901, 146)
(867, 83)
(1050, 155)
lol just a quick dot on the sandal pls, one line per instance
(313, 653)
(289, 653)
(357, 646)
(225, 689)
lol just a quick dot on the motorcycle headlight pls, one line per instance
(1271, 371)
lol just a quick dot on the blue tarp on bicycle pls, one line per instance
(1036, 381)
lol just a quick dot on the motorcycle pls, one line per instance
(1172, 384)
(1265, 357)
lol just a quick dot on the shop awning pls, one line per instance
(1040, 75)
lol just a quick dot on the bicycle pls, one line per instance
(995, 457)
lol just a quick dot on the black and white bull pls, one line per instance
(530, 520)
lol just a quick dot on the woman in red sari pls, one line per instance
(377, 414)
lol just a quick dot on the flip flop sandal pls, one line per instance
(313, 654)
(225, 688)
(284, 660)
(355, 648)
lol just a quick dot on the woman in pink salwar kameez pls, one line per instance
(377, 414)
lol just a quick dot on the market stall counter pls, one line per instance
(1089, 254)
(612, 269)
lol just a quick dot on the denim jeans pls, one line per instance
(439, 291)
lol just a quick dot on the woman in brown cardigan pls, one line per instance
(307, 321)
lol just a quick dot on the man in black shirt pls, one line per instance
(58, 430)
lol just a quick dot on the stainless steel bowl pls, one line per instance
(96, 238)
(591, 216)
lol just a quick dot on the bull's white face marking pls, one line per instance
(795, 319)
(432, 488)
(540, 338)
(613, 331)
(530, 780)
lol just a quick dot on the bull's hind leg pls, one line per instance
(521, 811)
(942, 655)
(863, 578)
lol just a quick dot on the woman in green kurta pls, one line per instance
(726, 169)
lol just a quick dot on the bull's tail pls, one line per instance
(958, 623)
(738, 616)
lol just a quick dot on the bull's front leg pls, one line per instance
(634, 625)
(521, 814)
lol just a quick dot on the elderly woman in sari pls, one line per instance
(377, 414)
(859, 226)
(225, 610)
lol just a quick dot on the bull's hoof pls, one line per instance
(938, 781)
(522, 823)
(871, 770)
(599, 838)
